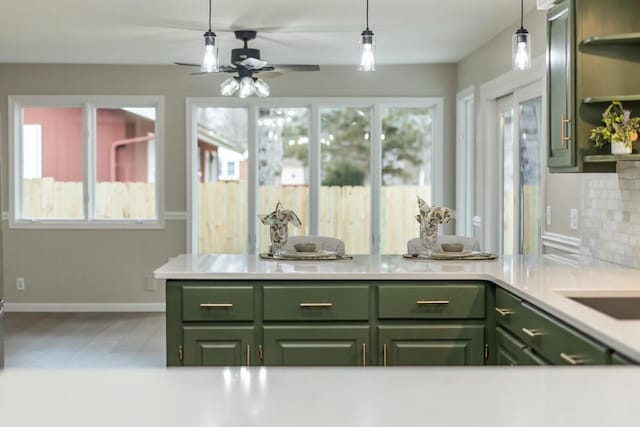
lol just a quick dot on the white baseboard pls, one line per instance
(562, 243)
(84, 307)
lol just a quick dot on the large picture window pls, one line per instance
(350, 168)
(85, 161)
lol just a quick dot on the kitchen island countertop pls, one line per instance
(544, 281)
(353, 397)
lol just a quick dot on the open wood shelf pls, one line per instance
(627, 39)
(609, 158)
(608, 99)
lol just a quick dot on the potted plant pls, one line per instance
(619, 129)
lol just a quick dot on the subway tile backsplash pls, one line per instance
(611, 215)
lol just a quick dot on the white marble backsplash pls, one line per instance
(611, 215)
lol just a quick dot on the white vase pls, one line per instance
(620, 148)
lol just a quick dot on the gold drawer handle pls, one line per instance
(219, 305)
(571, 360)
(316, 304)
(364, 355)
(504, 311)
(432, 302)
(563, 137)
(384, 355)
(531, 332)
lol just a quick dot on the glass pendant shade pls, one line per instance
(229, 86)
(247, 87)
(210, 53)
(521, 50)
(262, 88)
(367, 52)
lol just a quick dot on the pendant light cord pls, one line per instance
(210, 15)
(521, 13)
(367, 15)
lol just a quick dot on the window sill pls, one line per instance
(61, 224)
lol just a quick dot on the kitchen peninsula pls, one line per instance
(386, 310)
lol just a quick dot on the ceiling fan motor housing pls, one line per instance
(240, 54)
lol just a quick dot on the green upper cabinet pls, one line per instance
(561, 87)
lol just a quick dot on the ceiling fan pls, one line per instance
(246, 62)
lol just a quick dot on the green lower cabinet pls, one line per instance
(431, 345)
(513, 352)
(219, 345)
(323, 345)
(617, 359)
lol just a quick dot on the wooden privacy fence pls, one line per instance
(222, 214)
(344, 213)
(45, 198)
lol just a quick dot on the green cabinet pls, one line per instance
(316, 345)
(219, 345)
(561, 87)
(431, 345)
(513, 352)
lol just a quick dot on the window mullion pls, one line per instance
(89, 162)
(314, 171)
(253, 187)
(376, 177)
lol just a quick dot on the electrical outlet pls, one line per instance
(20, 283)
(573, 219)
(150, 284)
(548, 215)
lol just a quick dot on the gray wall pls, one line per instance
(492, 60)
(111, 266)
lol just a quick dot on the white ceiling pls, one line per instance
(294, 31)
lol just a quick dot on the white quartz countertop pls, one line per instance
(310, 397)
(543, 281)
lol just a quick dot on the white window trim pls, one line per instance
(315, 105)
(88, 103)
(465, 162)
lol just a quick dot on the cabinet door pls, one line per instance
(561, 84)
(218, 345)
(513, 352)
(316, 345)
(431, 345)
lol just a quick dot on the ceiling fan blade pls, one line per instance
(187, 64)
(253, 63)
(221, 69)
(294, 67)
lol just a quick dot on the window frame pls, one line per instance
(89, 105)
(315, 105)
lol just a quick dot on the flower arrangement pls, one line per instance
(429, 219)
(618, 127)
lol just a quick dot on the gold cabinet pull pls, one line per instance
(504, 311)
(248, 355)
(571, 360)
(364, 354)
(216, 305)
(432, 302)
(563, 122)
(316, 304)
(180, 353)
(531, 332)
(260, 353)
(384, 355)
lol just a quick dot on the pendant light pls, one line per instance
(210, 52)
(521, 48)
(367, 48)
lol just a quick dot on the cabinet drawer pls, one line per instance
(512, 351)
(314, 302)
(509, 312)
(431, 301)
(217, 303)
(558, 343)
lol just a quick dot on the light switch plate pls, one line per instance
(548, 215)
(573, 219)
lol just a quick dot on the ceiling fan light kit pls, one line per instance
(367, 48)
(521, 46)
